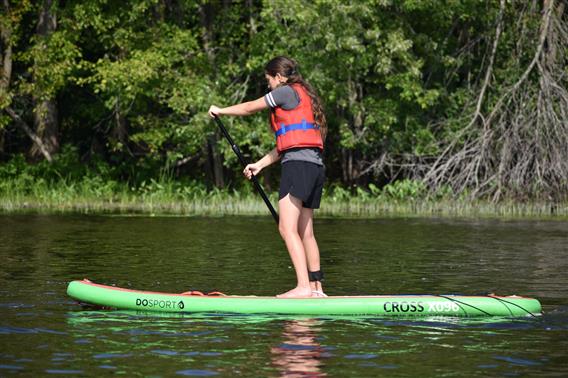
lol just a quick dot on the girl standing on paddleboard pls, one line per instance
(298, 122)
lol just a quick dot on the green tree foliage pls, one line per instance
(133, 79)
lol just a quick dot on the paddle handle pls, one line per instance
(244, 164)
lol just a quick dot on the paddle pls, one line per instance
(244, 164)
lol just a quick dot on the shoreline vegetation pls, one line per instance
(251, 207)
(174, 198)
(456, 110)
(68, 186)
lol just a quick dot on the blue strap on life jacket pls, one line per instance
(295, 126)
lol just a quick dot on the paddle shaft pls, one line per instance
(244, 164)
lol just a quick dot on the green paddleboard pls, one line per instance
(90, 293)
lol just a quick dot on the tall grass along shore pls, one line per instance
(94, 195)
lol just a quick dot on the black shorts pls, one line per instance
(303, 180)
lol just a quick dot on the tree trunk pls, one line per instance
(6, 52)
(347, 165)
(216, 162)
(350, 156)
(206, 12)
(45, 109)
(46, 126)
(120, 130)
(6, 59)
(213, 163)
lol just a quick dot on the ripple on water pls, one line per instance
(166, 352)
(197, 373)
(7, 330)
(63, 371)
(361, 356)
(517, 361)
(108, 367)
(112, 355)
(11, 367)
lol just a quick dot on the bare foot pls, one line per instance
(316, 285)
(318, 294)
(297, 292)
(317, 289)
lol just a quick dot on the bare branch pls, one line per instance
(33, 136)
(544, 29)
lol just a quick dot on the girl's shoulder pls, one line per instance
(285, 97)
(284, 90)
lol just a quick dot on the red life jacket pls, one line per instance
(296, 127)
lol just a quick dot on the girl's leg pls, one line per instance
(290, 209)
(306, 231)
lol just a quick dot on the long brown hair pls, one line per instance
(288, 68)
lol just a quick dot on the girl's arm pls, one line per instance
(243, 109)
(268, 159)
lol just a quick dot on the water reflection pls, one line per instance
(299, 355)
(199, 341)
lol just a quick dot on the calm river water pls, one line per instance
(44, 332)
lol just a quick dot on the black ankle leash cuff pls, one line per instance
(315, 276)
